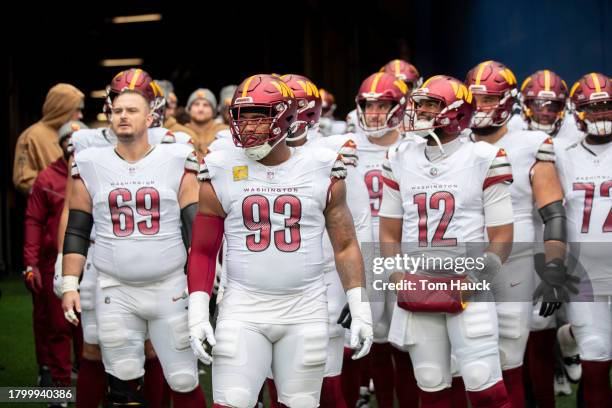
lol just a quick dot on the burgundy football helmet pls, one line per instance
(591, 102)
(543, 98)
(273, 103)
(442, 102)
(381, 87)
(308, 100)
(492, 78)
(137, 80)
(405, 71)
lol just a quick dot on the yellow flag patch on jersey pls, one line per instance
(240, 173)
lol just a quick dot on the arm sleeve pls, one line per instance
(498, 205)
(35, 221)
(207, 235)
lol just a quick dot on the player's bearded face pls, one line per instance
(130, 116)
(375, 113)
(486, 106)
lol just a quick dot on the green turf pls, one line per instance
(17, 359)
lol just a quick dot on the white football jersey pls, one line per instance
(331, 126)
(371, 158)
(85, 138)
(586, 177)
(443, 202)
(357, 197)
(568, 131)
(224, 134)
(352, 122)
(136, 211)
(524, 148)
(274, 228)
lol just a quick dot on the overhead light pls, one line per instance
(99, 94)
(141, 18)
(121, 62)
(101, 117)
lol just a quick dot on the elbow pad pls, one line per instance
(188, 214)
(553, 216)
(76, 240)
(206, 241)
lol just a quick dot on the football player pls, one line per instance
(531, 154)
(441, 192)
(272, 205)
(586, 178)
(91, 371)
(543, 100)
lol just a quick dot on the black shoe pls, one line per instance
(44, 377)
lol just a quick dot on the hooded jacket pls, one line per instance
(38, 145)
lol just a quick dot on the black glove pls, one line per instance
(555, 285)
(345, 318)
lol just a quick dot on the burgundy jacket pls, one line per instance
(45, 205)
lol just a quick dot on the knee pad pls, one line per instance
(238, 398)
(476, 375)
(179, 332)
(430, 378)
(183, 381)
(315, 347)
(302, 401)
(127, 369)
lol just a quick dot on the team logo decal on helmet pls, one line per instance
(309, 103)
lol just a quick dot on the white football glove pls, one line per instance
(200, 329)
(361, 325)
(57, 276)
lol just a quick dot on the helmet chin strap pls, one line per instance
(435, 137)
